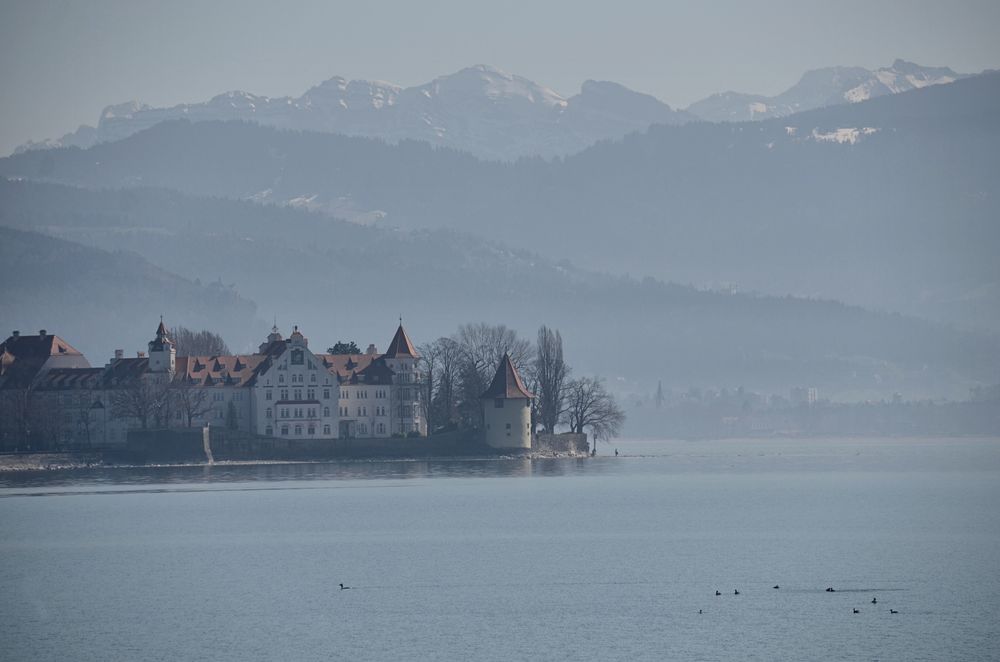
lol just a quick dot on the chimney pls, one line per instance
(16, 334)
(371, 350)
(42, 333)
(119, 353)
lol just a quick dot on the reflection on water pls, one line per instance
(282, 472)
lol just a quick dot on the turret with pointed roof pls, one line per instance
(401, 347)
(507, 409)
(507, 382)
(162, 351)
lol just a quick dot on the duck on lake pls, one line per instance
(344, 588)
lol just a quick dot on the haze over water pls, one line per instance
(601, 559)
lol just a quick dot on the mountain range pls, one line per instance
(495, 115)
(889, 203)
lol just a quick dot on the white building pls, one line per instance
(282, 390)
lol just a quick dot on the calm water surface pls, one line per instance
(599, 559)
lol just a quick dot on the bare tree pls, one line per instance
(440, 362)
(550, 373)
(481, 348)
(190, 399)
(198, 343)
(589, 406)
(141, 399)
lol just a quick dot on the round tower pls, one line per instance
(507, 409)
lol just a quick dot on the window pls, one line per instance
(345, 394)
(312, 429)
(508, 426)
(284, 412)
(269, 431)
(284, 394)
(298, 357)
(298, 394)
(267, 395)
(284, 430)
(359, 411)
(312, 412)
(268, 413)
(281, 378)
(312, 378)
(326, 394)
(298, 429)
(364, 429)
(364, 411)
(326, 429)
(310, 394)
(498, 403)
(326, 411)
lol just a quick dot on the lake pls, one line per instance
(597, 559)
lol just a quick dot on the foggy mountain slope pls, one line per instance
(341, 281)
(480, 109)
(889, 203)
(102, 300)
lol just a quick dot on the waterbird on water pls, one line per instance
(717, 593)
(344, 588)
(893, 611)
(874, 601)
(857, 611)
(830, 590)
(776, 586)
(736, 592)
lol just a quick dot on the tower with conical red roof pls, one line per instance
(507, 408)
(408, 385)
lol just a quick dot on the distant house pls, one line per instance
(50, 394)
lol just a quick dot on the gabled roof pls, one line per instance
(22, 358)
(236, 370)
(401, 347)
(507, 383)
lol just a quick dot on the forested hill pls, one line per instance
(341, 281)
(891, 203)
(101, 300)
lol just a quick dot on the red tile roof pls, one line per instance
(401, 347)
(507, 383)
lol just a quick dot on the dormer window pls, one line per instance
(298, 357)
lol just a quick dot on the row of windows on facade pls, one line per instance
(344, 394)
(297, 378)
(311, 429)
(310, 412)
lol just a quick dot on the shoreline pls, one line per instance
(70, 461)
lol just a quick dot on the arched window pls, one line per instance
(298, 429)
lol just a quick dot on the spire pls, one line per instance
(401, 347)
(507, 383)
(162, 338)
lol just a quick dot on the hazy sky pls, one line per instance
(62, 62)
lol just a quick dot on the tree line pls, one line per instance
(457, 370)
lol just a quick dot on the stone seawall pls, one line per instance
(196, 445)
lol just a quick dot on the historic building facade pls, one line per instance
(49, 390)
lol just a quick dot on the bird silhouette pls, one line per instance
(776, 586)
(736, 592)
(717, 593)
(893, 611)
(344, 588)
(874, 601)
(830, 590)
(857, 611)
